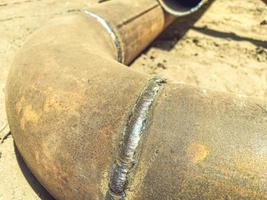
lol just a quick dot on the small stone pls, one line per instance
(152, 57)
(264, 22)
(196, 42)
(160, 65)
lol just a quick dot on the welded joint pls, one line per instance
(111, 32)
(131, 138)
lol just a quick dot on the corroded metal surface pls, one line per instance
(109, 29)
(77, 116)
(203, 145)
(55, 106)
(136, 24)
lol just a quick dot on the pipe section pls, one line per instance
(134, 24)
(181, 7)
(90, 128)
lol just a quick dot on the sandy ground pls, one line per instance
(224, 50)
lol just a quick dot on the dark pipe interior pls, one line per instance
(181, 4)
(187, 3)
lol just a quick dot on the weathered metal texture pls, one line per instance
(90, 128)
(203, 145)
(66, 107)
(136, 23)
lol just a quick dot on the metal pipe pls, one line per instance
(135, 29)
(181, 7)
(90, 128)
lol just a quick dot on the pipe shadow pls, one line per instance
(168, 38)
(33, 182)
(229, 35)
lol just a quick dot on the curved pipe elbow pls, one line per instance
(90, 128)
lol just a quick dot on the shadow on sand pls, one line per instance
(169, 38)
(229, 35)
(36, 186)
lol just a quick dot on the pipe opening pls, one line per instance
(181, 7)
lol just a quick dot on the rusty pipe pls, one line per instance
(90, 128)
(133, 30)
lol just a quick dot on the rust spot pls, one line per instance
(29, 116)
(57, 100)
(51, 102)
(20, 104)
(197, 152)
(104, 136)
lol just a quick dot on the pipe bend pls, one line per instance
(66, 104)
(90, 128)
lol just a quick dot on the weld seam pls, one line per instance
(131, 138)
(137, 16)
(111, 32)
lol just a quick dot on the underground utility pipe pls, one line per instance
(90, 128)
